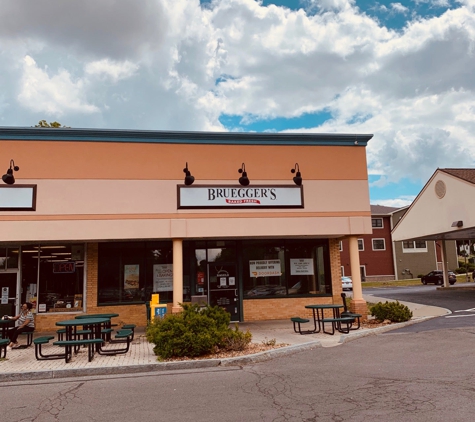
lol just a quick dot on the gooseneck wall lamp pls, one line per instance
(8, 177)
(298, 176)
(243, 180)
(189, 179)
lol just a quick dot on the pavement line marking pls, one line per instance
(466, 310)
(459, 316)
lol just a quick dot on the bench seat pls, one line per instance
(336, 324)
(122, 336)
(29, 337)
(129, 327)
(70, 344)
(356, 317)
(297, 321)
(4, 342)
(39, 342)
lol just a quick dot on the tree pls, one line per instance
(44, 123)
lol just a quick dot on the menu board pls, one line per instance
(131, 276)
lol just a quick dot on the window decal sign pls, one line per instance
(163, 277)
(230, 196)
(265, 268)
(302, 266)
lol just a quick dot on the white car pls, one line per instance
(346, 283)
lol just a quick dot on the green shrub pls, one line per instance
(236, 340)
(194, 332)
(393, 311)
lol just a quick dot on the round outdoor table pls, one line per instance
(82, 316)
(107, 325)
(72, 324)
(318, 313)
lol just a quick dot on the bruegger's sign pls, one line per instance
(226, 196)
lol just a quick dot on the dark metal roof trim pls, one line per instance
(169, 137)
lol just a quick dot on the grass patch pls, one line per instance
(461, 278)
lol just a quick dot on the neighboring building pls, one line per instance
(98, 220)
(442, 213)
(418, 257)
(381, 258)
(375, 249)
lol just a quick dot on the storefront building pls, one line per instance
(98, 220)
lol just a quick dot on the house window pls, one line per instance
(342, 270)
(360, 244)
(378, 245)
(377, 222)
(414, 246)
(341, 246)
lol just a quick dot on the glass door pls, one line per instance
(223, 289)
(9, 293)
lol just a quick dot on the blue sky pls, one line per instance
(401, 70)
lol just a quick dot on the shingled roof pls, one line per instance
(465, 174)
(382, 210)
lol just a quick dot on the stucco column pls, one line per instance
(443, 254)
(357, 304)
(177, 275)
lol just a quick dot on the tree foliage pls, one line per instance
(44, 123)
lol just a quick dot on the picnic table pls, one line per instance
(72, 342)
(336, 320)
(5, 324)
(107, 326)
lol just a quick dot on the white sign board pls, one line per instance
(18, 198)
(303, 266)
(5, 292)
(162, 277)
(228, 196)
(265, 268)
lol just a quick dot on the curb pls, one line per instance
(160, 366)
(204, 363)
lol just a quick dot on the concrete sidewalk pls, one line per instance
(21, 364)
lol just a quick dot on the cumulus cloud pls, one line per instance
(52, 94)
(173, 64)
(113, 70)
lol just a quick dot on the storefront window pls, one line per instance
(53, 277)
(9, 258)
(286, 268)
(131, 271)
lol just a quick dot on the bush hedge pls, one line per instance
(393, 311)
(195, 332)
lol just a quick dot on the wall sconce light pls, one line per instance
(8, 177)
(243, 180)
(298, 176)
(457, 224)
(189, 179)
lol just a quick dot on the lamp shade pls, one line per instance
(189, 179)
(298, 176)
(243, 180)
(8, 178)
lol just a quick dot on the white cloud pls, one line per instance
(155, 64)
(399, 8)
(113, 70)
(396, 202)
(52, 95)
